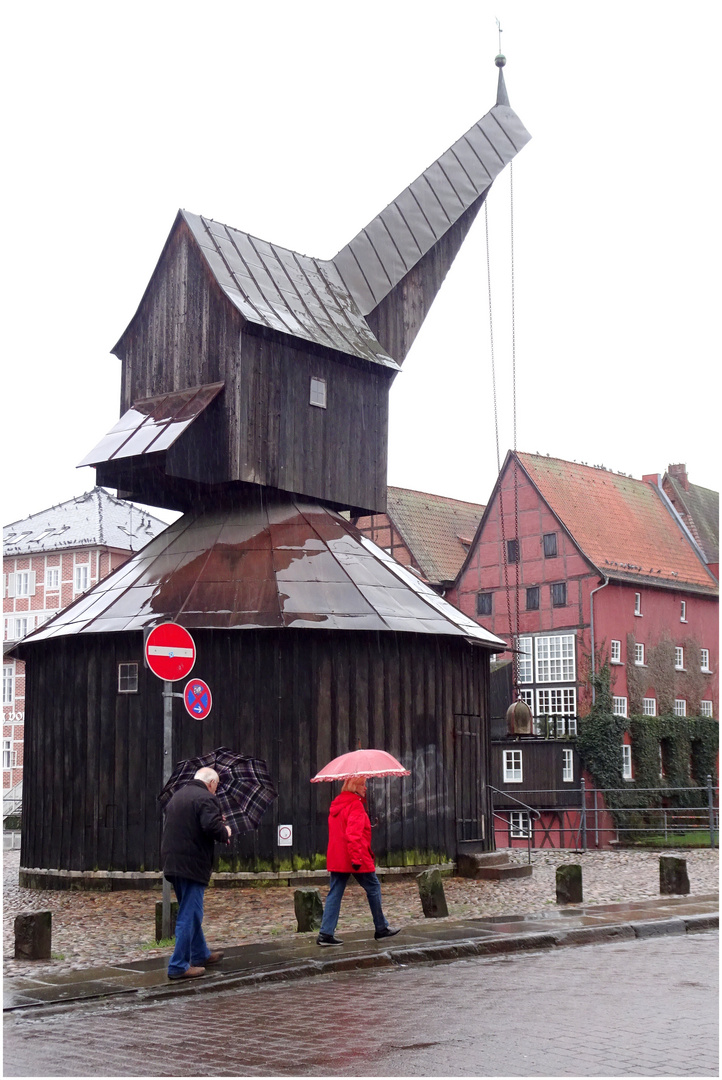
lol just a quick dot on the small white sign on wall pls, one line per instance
(285, 835)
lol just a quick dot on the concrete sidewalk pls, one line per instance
(433, 940)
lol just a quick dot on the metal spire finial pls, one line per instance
(501, 94)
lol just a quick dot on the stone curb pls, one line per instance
(399, 956)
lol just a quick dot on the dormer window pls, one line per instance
(318, 392)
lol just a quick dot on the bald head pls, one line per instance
(209, 777)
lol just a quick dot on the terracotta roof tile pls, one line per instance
(620, 524)
(433, 528)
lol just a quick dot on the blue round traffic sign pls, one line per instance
(197, 698)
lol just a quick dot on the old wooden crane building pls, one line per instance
(255, 386)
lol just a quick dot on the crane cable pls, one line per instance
(513, 627)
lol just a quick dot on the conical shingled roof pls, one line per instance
(281, 562)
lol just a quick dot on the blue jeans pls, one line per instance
(190, 944)
(372, 887)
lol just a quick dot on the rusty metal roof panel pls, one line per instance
(282, 563)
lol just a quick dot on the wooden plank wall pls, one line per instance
(93, 763)
(542, 771)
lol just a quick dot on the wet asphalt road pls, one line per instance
(638, 1008)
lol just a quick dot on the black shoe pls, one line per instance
(327, 939)
(388, 932)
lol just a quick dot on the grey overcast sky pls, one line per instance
(299, 122)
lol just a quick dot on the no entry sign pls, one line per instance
(170, 651)
(197, 698)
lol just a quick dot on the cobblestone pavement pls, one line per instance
(91, 928)
(638, 1008)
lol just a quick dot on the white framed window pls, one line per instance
(705, 708)
(512, 767)
(683, 611)
(680, 707)
(555, 658)
(704, 659)
(519, 825)
(524, 661)
(571, 725)
(638, 603)
(567, 765)
(616, 652)
(9, 756)
(82, 578)
(9, 684)
(23, 626)
(626, 762)
(649, 706)
(619, 706)
(639, 654)
(678, 658)
(25, 583)
(52, 578)
(527, 696)
(127, 678)
(557, 702)
(318, 392)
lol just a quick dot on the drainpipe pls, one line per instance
(591, 627)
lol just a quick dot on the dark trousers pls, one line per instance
(190, 944)
(372, 887)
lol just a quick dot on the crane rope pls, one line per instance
(513, 626)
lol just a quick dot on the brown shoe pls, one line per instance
(190, 973)
(215, 957)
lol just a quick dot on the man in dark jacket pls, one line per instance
(193, 823)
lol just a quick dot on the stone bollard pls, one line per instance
(308, 908)
(673, 877)
(159, 919)
(32, 935)
(569, 884)
(431, 891)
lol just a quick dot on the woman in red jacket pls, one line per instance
(349, 852)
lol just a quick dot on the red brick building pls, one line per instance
(587, 565)
(49, 559)
(590, 562)
(431, 534)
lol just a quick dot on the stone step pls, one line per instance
(491, 866)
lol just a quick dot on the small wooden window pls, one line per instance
(318, 392)
(559, 594)
(532, 598)
(512, 551)
(550, 545)
(483, 603)
(512, 767)
(616, 655)
(127, 678)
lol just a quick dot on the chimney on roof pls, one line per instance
(679, 473)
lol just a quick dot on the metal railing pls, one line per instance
(530, 810)
(593, 815)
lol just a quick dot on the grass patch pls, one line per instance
(164, 943)
(57, 956)
(695, 839)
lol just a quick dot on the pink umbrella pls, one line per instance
(361, 763)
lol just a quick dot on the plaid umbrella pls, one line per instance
(245, 789)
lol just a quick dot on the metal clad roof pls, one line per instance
(429, 207)
(620, 524)
(285, 291)
(286, 563)
(153, 424)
